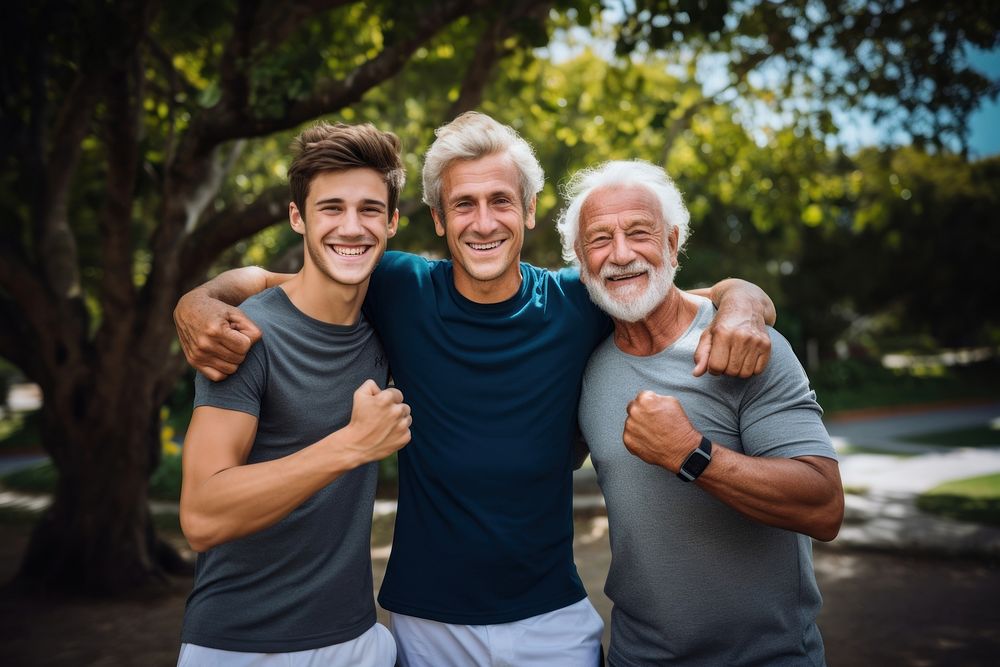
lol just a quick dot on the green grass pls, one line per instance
(36, 479)
(976, 436)
(976, 499)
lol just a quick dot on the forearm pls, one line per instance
(803, 495)
(731, 288)
(237, 285)
(243, 499)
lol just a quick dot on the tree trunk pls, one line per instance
(97, 537)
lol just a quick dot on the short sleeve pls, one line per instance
(242, 391)
(779, 415)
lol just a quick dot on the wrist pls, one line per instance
(344, 454)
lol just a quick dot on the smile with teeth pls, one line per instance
(349, 251)
(485, 246)
(625, 276)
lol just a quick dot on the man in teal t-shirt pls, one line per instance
(490, 354)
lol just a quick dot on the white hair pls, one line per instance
(469, 137)
(620, 173)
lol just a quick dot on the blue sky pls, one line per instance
(984, 139)
(858, 130)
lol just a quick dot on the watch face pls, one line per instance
(697, 462)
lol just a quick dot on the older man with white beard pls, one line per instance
(714, 485)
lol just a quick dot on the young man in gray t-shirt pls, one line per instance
(279, 458)
(713, 484)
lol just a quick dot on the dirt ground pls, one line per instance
(880, 609)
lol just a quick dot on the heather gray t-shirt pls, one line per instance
(305, 582)
(693, 582)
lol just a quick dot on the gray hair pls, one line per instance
(469, 137)
(621, 173)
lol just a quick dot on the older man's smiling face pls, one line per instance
(627, 254)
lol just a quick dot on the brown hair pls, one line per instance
(338, 147)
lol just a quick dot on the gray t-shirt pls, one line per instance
(694, 582)
(305, 582)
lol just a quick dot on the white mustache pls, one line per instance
(635, 266)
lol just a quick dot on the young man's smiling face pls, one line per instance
(346, 225)
(484, 223)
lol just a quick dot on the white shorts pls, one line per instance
(567, 637)
(375, 648)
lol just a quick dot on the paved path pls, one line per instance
(881, 511)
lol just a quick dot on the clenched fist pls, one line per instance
(380, 422)
(658, 431)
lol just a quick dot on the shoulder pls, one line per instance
(562, 283)
(566, 299)
(401, 270)
(783, 379)
(396, 262)
(783, 359)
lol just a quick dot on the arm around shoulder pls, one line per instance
(736, 342)
(214, 334)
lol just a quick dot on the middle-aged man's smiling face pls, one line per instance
(627, 256)
(484, 223)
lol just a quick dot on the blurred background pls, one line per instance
(841, 155)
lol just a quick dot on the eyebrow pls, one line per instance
(631, 223)
(496, 193)
(340, 200)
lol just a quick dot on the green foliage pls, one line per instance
(853, 385)
(20, 431)
(165, 483)
(976, 500)
(977, 436)
(912, 255)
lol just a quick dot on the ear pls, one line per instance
(295, 219)
(393, 225)
(438, 223)
(529, 218)
(674, 240)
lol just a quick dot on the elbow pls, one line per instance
(198, 531)
(829, 518)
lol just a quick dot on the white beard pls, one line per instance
(633, 303)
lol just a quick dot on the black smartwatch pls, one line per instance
(696, 461)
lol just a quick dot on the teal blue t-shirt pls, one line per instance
(484, 528)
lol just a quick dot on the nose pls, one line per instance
(484, 223)
(352, 223)
(621, 251)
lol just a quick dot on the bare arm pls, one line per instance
(736, 342)
(802, 494)
(214, 334)
(223, 498)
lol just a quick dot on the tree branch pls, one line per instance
(225, 123)
(222, 230)
(122, 128)
(277, 22)
(489, 51)
(54, 238)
